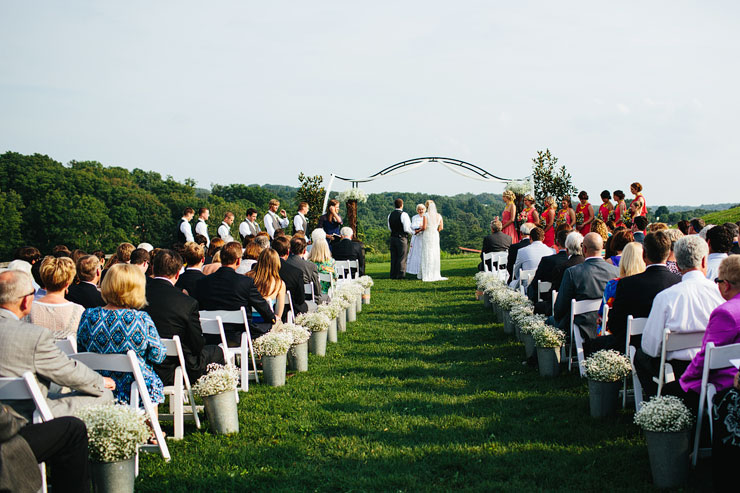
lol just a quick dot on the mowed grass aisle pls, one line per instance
(422, 392)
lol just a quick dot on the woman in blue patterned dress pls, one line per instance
(121, 325)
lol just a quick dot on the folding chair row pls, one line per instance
(344, 269)
(579, 308)
(635, 327)
(675, 341)
(180, 391)
(212, 321)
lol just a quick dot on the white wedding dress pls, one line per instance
(413, 262)
(430, 255)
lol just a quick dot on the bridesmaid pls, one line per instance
(549, 216)
(508, 216)
(606, 207)
(530, 214)
(566, 215)
(620, 208)
(636, 190)
(587, 211)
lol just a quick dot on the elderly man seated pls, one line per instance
(27, 347)
(497, 241)
(684, 307)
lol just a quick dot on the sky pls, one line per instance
(257, 92)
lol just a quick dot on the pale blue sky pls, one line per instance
(255, 92)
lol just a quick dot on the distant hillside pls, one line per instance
(726, 216)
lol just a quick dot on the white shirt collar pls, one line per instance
(166, 279)
(693, 275)
(11, 313)
(655, 265)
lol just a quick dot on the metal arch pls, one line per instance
(453, 162)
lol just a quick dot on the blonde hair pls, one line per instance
(550, 202)
(508, 194)
(267, 271)
(529, 197)
(57, 273)
(729, 269)
(319, 251)
(124, 285)
(598, 226)
(273, 202)
(631, 262)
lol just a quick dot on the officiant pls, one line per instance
(400, 226)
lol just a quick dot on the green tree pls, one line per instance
(11, 223)
(550, 179)
(312, 192)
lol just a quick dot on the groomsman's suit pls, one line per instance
(400, 225)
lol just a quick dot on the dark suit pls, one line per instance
(176, 314)
(558, 271)
(639, 236)
(583, 282)
(188, 279)
(293, 279)
(513, 251)
(735, 250)
(310, 273)
(227, 290)
(495, 242)
(545, 272)
(85, 294)
(346, 249)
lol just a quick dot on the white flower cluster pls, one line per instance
(366, 281)
(114, 431)
(529, 324)
(482, 279)
(351, 290)
(273, 343)
(519, 312)
(352, 194)
(298, 333)
(520, 187)
(217, 380)
(548, 336)
(331, 310)
(341, 302)
(506, 298)
(315, 321)
(664, 414)
(607, 365)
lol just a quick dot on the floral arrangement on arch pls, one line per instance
(352, 194)
(521, 187)
(607, 365)
(665, 413)
(217, 380)
(114, 431)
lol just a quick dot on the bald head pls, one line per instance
(593, 243)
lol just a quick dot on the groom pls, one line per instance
(400, 226)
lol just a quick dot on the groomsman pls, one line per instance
(400, 226)
(184, 230)
(201, 227)
(249, 226)
(300, 223)
(224, 231)
(272, 220)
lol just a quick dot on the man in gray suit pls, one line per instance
(27, 347)
(309, 269)
(585, 281)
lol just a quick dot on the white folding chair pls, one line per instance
(715, 358)
(245, 349)
(214, 326)
(27, 388)
(68, 345)
(554, 297)
(180, 392)
(605, 316)
(525, 278)
(499, 261)
(325, 277)
(543, 287)
(675, 341)
(343, 269)
(488, 262)
(129, 363)
(310, 300)
(354, 264)
(635, 327)
(579, 308)
(291, 313)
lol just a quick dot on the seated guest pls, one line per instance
(619, 240)
(291, 276)
(53, 311)
(674, 235)
(227, 290)
(250, 256)
(61, 443)
(213, 263)
(719, 240)
(723, 329)
(61, 251)
(309, 269)
(85, 292)
(528, 258)
(585, 281)
(632, 264)
(216, 244)
(122, 256)
(599, 226)
(346, 249)
(733, 229)
(683, 226)
(321, 256)
(683, 307)
(639, 225)
(524, 230)
(32, 255)
(140, 258)
(266, 275)
(497, 241)
(573, 247)
(194, 258)
(545, 270)
(121, 325)
(176, 314)
(696, 225)
(27, 347)
(725, 415)
(24, 266)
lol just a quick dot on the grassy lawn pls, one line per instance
(422, 393)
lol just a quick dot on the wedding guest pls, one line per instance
(528, 258)
(639, 225)
(201, 227)
(606, 208)
(271, 287)
(399, 225)
(184, 230)
(725, 415)
(566, 214)
(529, 214)
(176, 314)
(77, 254)
(32, 255)
(249, 226)
(61, 251)
(611, 226)
(53, 311)
(25, 347)
(224, 230)
(719, 240)
(413, 262)
(291, 276)
(194, 258)
(497, 241)
(549, 216)
(584, 214)
(674, 235)
(140, 258)
(250, 256)
(508, 216)
(704, 231)
(309, 269)
(653, 227)
(598, 226)
(122, 256)
(121, 325)
(101, 256)
(215, 246)
(574, 249)
(85, 292)
(696, 225)
(321, 256)
(683, 307)
(24, 266)
(524, 230)
(619, 208)
(632, 263)
(546, 269)
(300, 222)
(683, 226)
(346, 249)
(619, 240)
(733, 229)
(273, 222)
(636, 190)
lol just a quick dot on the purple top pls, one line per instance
(723, 329)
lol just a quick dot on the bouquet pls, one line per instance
(579, 218)
(114, 431)
(612, 216)
(561, 218)
(352, 194)
(626, 216)
(548, 336)
(315, 322)
(607, 365)
(665, 413)
(274, 343)
(217, 380)
(298, 333)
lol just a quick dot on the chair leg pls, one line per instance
(178, 411)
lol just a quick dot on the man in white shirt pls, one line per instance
(400, 225)
(719, 240)
(184, 230)
(224, 231)
(528, 258)
(300, 223)
(249, 226)
(201, 227)
(272, 220)
(684, 307)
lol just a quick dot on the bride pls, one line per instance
(431, 225)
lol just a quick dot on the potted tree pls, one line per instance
(605, 370)
(666, 422)
(114, 435)
(273, 348)
(548, 340)
(217, 388)
(318, 324)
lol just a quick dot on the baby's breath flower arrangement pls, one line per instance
(519, 312)
(331, 310)
(217, 380)
(522, 187)
(607, 365)
(273, 343)
(340, 301)
(114, 431)
(506, 299)
(665, 413)
(298, 333)
(482, 278)
(548, 336)
(366, 282)
(352, 194)
(315, 322)
(529, 324)
(352, 290)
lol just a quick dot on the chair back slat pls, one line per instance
(487, 257)
(104, 362)
(720, 356)
(586, 306)
(676, 341)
